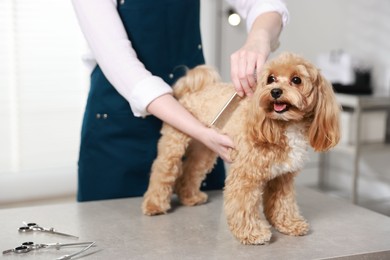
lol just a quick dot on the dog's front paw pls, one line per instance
(295, 227)
(153, 206)
(252, 234)
(192, 199)
(255, 236)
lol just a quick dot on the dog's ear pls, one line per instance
(324, 132)
(260, 128)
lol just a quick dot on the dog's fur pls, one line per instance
(293, 107)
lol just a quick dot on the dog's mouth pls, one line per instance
(281, 107)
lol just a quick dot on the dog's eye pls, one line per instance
(296, 80)
(271, 79)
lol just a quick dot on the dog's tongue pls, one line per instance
(278, 107)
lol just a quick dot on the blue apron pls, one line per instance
(118, 149)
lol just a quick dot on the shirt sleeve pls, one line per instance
(107, 38)
(251, 9)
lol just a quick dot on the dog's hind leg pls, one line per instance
(198, 161)
(280, 206)
(165, 170)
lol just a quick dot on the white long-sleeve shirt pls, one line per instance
(107, 38)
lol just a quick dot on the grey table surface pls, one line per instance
(121, 231)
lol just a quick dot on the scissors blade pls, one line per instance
(224, 108)
(59, 245)
(8, 251)
(52, 231)
(65, 257)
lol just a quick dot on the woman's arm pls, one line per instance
(248, 61)
(107, 38)
(169, 110)
(265, 20)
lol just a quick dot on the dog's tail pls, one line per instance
(195, 80)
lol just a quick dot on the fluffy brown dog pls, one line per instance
(293, 107)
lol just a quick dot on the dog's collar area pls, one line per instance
(280, 107)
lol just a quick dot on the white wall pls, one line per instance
(42, 95)
(210, 24)
(359, 27)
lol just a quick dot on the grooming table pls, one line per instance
(338, 230)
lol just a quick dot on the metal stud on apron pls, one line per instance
(118, 149)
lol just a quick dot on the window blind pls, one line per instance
(43, 87)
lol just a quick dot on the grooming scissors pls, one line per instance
(28, 227)
(30, 246)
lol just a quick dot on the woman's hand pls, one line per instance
(219, 143)
(246, 64)
(248, 61)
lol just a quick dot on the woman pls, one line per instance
(141, 48)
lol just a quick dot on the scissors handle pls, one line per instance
(18, 250)
(24, 229)
(29, 227)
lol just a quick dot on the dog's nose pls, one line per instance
(276, 92)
